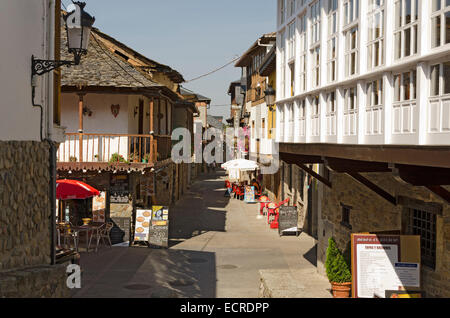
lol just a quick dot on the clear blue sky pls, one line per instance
(191, 36)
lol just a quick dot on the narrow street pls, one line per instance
(218, 246)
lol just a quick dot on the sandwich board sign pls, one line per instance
(142, 226)
(288, 221)
(249, 196)
(159, 227)
(384, 262)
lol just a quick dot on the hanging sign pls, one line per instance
(159, 227)
(99, 208)
(384, 262)
(142, 225)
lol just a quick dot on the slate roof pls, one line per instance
(199, 98)
(101, 68)
(213, 122)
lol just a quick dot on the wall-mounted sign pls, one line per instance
(384, 262)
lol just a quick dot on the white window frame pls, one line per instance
(333, 30)
(351, 52)
(401, 28)
(441, 14)
(376, 40)
(303, 38)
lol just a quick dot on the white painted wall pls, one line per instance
(26, 28)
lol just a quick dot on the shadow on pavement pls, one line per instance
(311, 255)
(202, 209)
(147, 273)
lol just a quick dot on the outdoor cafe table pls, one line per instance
(87, 229)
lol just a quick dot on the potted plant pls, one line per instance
(117, 158)
(338, 271)
(146, 158)
(73, 159)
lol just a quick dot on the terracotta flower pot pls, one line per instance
(341, 290)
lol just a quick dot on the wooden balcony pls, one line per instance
(104, 148)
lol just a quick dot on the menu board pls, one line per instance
(99, 208)
(384, 262)
(288, 220)
(159, 227)
(142, 227)
(249, 196)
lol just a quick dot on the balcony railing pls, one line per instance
(85, 147)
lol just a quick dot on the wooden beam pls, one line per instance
(346, 165)
(424, 176)
(440, 191)
(151, 128)
(315, 175)
(300, 158)
(433, 156)
(372, 186)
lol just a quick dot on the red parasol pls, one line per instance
(73, 189)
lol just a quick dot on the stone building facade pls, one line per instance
(371, 213)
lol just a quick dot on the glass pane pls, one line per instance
(407, 42)
(436, 31)
(408, 11)
(397, 88)
(447, 27)
(447, 78)
(435, 80)
(436, 5)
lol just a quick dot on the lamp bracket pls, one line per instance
(40, 67)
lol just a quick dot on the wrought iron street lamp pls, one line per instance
(270, 97)
(78, 26)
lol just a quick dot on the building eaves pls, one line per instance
(265, 39)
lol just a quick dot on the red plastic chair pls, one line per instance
(263, 203)
(274, 212)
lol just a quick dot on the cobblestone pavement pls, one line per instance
(218, 248)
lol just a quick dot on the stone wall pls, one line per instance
(371, 213)
(24, 204)
(35, 282)
(25, 224)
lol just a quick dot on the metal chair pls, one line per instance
(67, 235)
(102, 232)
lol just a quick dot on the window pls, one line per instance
(351, 11)
(406, 28)
(345, 220)
(440, 79)
(315, 42)
(282, 11)
(350, 100)
(303, 51)
(351, 51)
(315, 109)
(291, 41)
(440, 23)
(332, 39)
(315, 22)
(283, 63)
(405, 86)
(376, 34)
(423, 223)
(292, 74)
(375, 93)
(331, 103)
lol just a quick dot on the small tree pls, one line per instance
(337, 267)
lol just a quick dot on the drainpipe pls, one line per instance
(52, 189)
